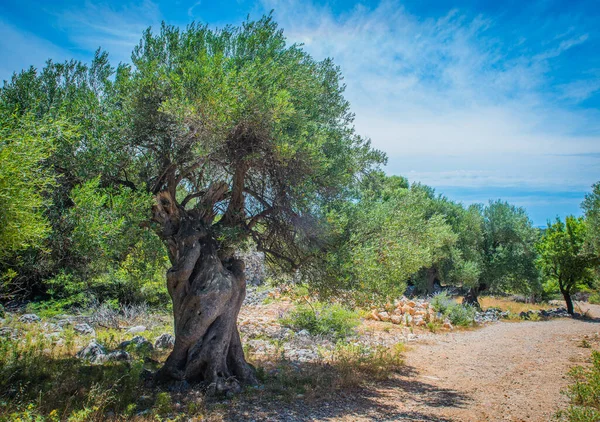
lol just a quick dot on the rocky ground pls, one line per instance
(504, 371)
(501, 371)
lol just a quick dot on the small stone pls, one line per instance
(384, 316)
(52, 327)
(84, 329)
(411, 303)
(165, 341)
(137, 329)
(396, 319)
(138, 341)
(448, 325)
(93, 353)
(29, 318)
(303, 333)
(9, 332)
(375, 316)
(118, 356)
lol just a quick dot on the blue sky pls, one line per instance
(479, 99)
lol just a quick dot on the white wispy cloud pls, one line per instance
(445, 87)
(115, 29)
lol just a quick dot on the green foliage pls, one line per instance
(509, 251)
(383, 239)
(321, 319)
(24, 182)
(118, 258)
(563, 257)
(584, 393)
(461, 315)
(458, 314)
(591, 208)
(441, 302)
(594, 298)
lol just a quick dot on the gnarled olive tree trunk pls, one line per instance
(472, 295)
(207, 290)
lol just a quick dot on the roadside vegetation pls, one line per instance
(584, 392)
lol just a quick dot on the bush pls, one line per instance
(463, 315)
(320, 319)
(441, 302)
(584, 394)
(594, 298)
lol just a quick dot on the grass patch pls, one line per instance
(42, 380)
(347, 366)
(505, 304)
(321, 319)
(583, 393)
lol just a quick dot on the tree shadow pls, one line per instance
(402, 397)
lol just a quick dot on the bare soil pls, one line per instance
(507, 371)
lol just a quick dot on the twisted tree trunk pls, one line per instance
(472, 296)
(207, 291)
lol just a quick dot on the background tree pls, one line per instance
(564, 258)
(25, 184)
(508, 252)
(385, 235)
(79, 103)
(591, 208)
(457, 263)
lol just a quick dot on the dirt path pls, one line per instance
(503, 372)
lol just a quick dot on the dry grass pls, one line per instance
(513, 307)
(42, 380)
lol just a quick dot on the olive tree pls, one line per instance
(564, 258)
(508, 252)
(591, 207)
(240, 137)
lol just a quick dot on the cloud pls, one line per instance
(430, 89)
(190, 11)
(21, 49)
(115, 29)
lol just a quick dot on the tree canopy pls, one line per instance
(563, 257)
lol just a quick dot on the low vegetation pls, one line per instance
(584, 392)
(43, 379)
(321, 319)
(457, 313)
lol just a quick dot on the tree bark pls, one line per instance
(568, 301)
(430, 283)
(207, 292)
(472, 296)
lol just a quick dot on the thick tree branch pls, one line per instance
(235, 213)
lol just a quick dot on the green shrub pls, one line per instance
(441, 302)
(584, 393)
(594, 298)
(463, 315)
(320, 319)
